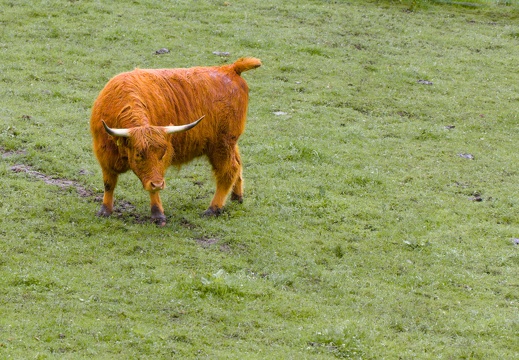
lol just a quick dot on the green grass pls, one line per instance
(413, 4)
(364, 233)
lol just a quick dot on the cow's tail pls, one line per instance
(246, 63)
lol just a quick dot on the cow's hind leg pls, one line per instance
(237, 190)
(110, 181)
(227, 172)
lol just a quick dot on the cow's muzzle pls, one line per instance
(155, 185)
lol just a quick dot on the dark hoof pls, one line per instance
(237, 198)
(212, 212)
(103, 212)
(159, 220)
(157, 217)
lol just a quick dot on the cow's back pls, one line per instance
(175, 97)
(219, 94)
(211, 91)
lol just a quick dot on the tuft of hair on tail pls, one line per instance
(245, 63)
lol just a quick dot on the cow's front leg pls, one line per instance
(110, 181)
(157, 211)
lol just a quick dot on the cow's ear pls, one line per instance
(119, 141)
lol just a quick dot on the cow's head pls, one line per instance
(149, 151)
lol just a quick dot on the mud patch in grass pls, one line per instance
(4, 153)
(206, 242)
(61, 183)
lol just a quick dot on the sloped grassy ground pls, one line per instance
(381, 206)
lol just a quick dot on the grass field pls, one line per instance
(381, 210)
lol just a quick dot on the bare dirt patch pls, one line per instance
(206, 242)
(126, 211)
(8, 153)
(62, 183)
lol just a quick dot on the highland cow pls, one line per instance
(143, 120)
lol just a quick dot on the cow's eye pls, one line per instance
(140, 155)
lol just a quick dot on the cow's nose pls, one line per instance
(157, 185)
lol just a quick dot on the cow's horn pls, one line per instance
(174, 128)
(116, 132)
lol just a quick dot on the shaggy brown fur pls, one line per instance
(145, 101)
